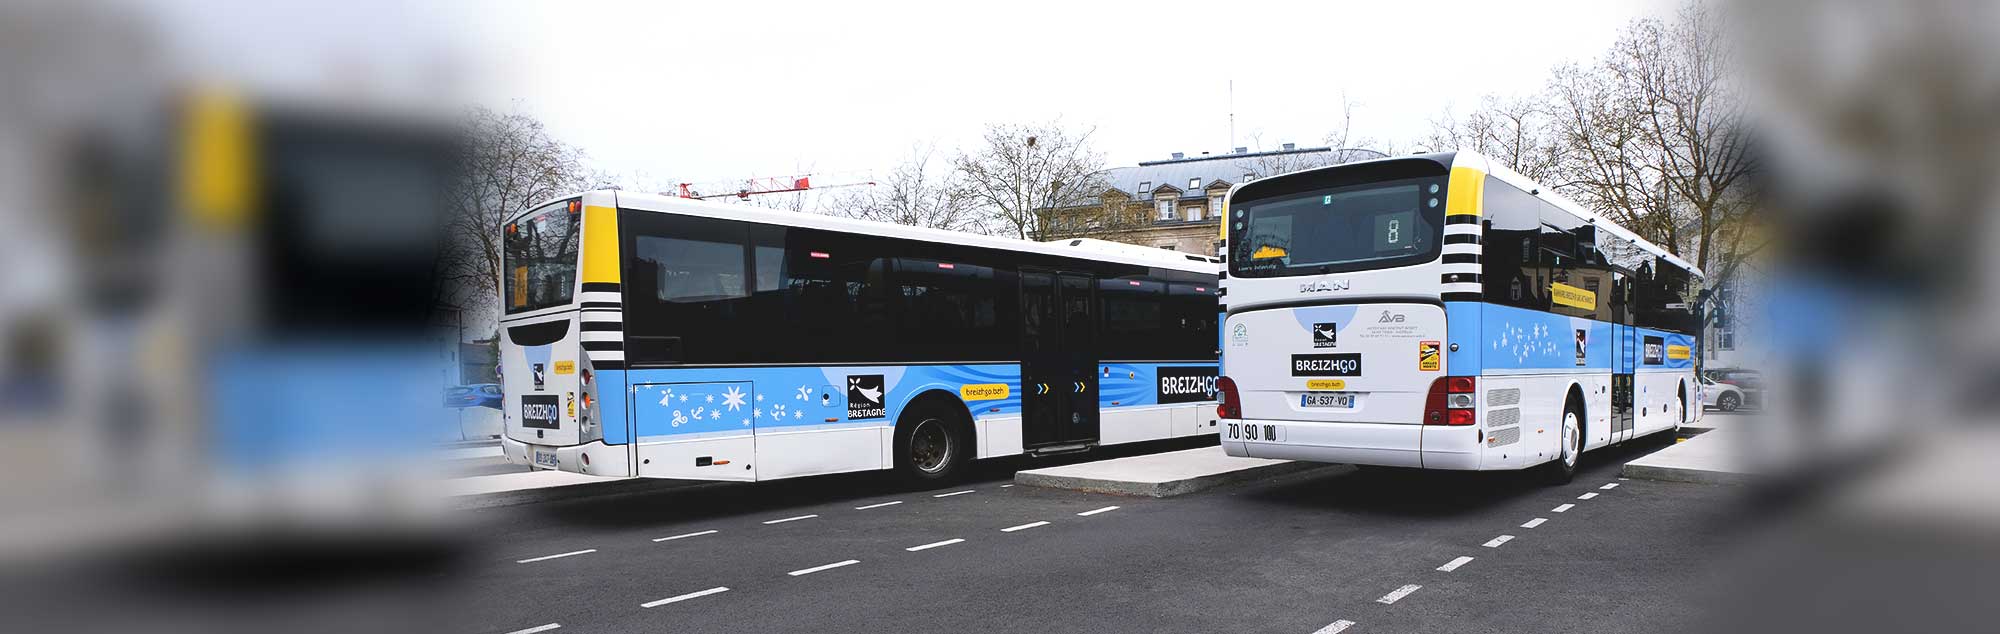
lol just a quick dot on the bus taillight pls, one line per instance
(1231, 405)
(1451, 401)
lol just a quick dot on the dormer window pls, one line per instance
(1146, 187)
(1194, 183)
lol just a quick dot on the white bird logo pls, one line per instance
(873, 396)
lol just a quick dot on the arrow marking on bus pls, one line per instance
(668, 539)
(1535, 522)
(877, 506)
(1023, 527)
(792, 519)
(548, 557)
(830, 566)
(684, 597)
(1335, 627)
(1454, 564)
(1397, 594)
(1562, 508)
(931, 545)
(1497, 541)
(1096, 511)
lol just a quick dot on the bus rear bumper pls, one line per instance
(591, 458)
(1374, 444)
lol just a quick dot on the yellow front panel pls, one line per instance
(600, 244)
(1468, 187)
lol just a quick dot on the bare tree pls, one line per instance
(921, 192)
(1515, 132)
(1025, 170)
(510, 163)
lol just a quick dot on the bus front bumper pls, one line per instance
(591, 458)
(1375, 444)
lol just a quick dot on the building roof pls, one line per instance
(1222, 169)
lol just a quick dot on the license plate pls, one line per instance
(1326, 399)
(545, 459)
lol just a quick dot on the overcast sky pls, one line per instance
(712, 91)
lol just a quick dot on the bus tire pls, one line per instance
(932, 445)
(1563, 468)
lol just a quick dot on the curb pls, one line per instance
(1164, 489)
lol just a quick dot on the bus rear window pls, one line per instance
(1378, 225)
(541, 258)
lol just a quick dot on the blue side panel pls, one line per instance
(1522, 339)
(671, 402)
(1658, 349)
(291, 406)
(1462, 338)
(1138, 384)
(612, 401)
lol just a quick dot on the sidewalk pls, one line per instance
(1160, 475)
(1710, 457)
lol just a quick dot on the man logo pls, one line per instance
(1325, 335)
(864, 397)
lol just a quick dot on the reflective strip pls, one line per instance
(600, 297)
(1464, 249)
(1464, 287)
(1462, 230)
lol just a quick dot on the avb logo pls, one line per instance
(1390, 318)
(1325, 334)
(864, 397)
(1323, 286)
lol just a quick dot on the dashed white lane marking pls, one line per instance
(1609, 486)
(946, 495)
(1535, 522)
(931, 545)
(877, 506)
(538, 628)
(1562, 508)
(830, 566)
(1335, 627)
(1497, 541)
(1397, 594)
(1096, 511)
(792, 519)
(1455, 563)
(668, 539)
(1023, 527)
(684, 597)
(548, 557)
(1003, 486)
(1622, 479)
(1587, 496)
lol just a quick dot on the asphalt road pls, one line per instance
(1301, 553)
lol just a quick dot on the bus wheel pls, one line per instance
(1563, 468)
(929, 444)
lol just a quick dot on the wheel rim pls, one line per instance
(930, 446)
(1570, 438)
(1728, 403)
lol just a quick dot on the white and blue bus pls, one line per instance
(1443, 312)
(665, 337)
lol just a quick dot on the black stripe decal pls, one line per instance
(1461, 238)
(604, 345)
(1461, 258)
(1454, 278)
(1462, 297)
(603, 305)
(600, 287)
(601, 326)
(607, 365)
(1462, 219)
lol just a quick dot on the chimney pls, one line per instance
(1179, 155)
(1243, 150)
(1204, 154)
(1291, 146)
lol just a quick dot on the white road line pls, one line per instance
(931, 545)
(548, 557)
(538, 628)
(1397, 594)
(1587, 496)
(792, 519)
(1622, 479)
(1562, 508)
(946, 495)
(1497, 541)
(1003, 486)
(1023, 527)
(1455, 563)
(684, 597)
(830, 566)
(1609, 486)
(1535, 522)
(1094, 512)
(877, 506)
(1335, 628)
(668, 539)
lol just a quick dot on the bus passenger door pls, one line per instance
(1058, 360)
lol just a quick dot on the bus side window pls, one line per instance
(1512, 242)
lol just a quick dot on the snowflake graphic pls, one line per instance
(708, 399)
(684, 398)
(760, 398)
(746, 422)
(756, 413)
(798, 414)
(733, 398)
(715, 414)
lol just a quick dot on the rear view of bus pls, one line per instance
(1334, 344)
(559, 329)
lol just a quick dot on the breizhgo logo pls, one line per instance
(864, 397)
(1185, 384)
(1325, 334)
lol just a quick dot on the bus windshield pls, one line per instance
(541, 258)
(1377, 225)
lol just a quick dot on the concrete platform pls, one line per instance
(1708, 458)
(1160, 475)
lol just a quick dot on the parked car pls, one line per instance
(1722, 396)
(475, 395)
(1749, 384)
